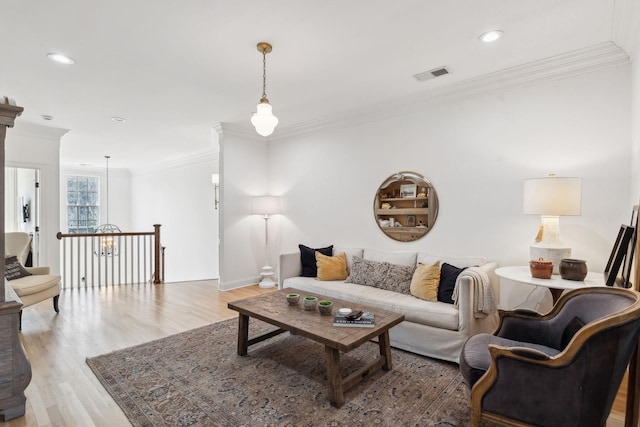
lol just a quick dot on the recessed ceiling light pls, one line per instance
(491, 36)
(46, 117)
(118, 119)
(60, 58)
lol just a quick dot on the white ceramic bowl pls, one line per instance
(344, 311)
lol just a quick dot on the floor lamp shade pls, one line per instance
(265, 205)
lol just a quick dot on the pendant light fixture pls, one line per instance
(108, 244)
(263, 119)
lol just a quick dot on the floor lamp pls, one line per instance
(265, 206)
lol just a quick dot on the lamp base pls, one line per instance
(551, 254)
(267, 281)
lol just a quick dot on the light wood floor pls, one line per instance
(64, 392)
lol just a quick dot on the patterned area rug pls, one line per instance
(195, 378)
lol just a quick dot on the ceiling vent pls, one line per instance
(431, 74)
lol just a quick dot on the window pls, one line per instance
(82, 204)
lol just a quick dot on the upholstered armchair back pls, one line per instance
(18, 244)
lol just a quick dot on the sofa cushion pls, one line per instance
(448, 276)
(429, 259)
(416, 310)
(13, 269)
(34, 283)
(400, 258)
(331, 267)
(425, 281)
(475, 357)
(308, 259)
(350, 253)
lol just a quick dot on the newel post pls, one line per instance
(156, 254)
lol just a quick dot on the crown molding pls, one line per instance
(626, 26)
(209, 156)
(581, 61)
(235, 129)
(30, 130)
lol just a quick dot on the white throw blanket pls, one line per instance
(484, 301)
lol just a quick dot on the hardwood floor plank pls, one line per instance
(64, 391)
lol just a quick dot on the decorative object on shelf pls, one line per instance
(309, 303)
(541, 268)
(293, 299)
(108, 244)
(325, 308)
(550, 198)
(266, 206)
(410, 215)
(573, 269)
(408, 190)
(263, 119)
(215, 180)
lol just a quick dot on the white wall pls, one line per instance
(38, 147)
(179, 195)
(477, 152)
(244, 173)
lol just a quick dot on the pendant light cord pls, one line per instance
(108, 157)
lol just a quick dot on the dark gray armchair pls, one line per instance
(559, 369)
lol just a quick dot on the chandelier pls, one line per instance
(263, 119)
(108, 244)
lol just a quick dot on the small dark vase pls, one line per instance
(573, 269)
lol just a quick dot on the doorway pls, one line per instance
(22, 206)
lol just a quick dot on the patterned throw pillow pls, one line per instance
(331, 267)
(383, 275)
(13, 269)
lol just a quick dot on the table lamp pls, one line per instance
(265, 206)
(551, 197)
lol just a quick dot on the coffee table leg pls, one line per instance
(243, 334)
(332, 360)
(385, 350)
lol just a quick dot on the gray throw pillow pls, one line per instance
(13, 269)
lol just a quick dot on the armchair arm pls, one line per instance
(289, 265)
(38, 270)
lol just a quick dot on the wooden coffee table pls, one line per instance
(274, 309)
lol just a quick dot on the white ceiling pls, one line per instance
(175, 68)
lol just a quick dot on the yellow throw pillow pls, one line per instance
(425, 281)
(331, 267)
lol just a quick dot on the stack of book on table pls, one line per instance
(355, 320)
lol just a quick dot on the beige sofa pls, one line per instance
(434, 329)
(41, 285)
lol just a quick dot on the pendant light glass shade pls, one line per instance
(263, 119)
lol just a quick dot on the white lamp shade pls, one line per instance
(266, 205)
(263, 119)
(215, 179)
(552, 196)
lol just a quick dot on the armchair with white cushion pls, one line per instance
(40, 285)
